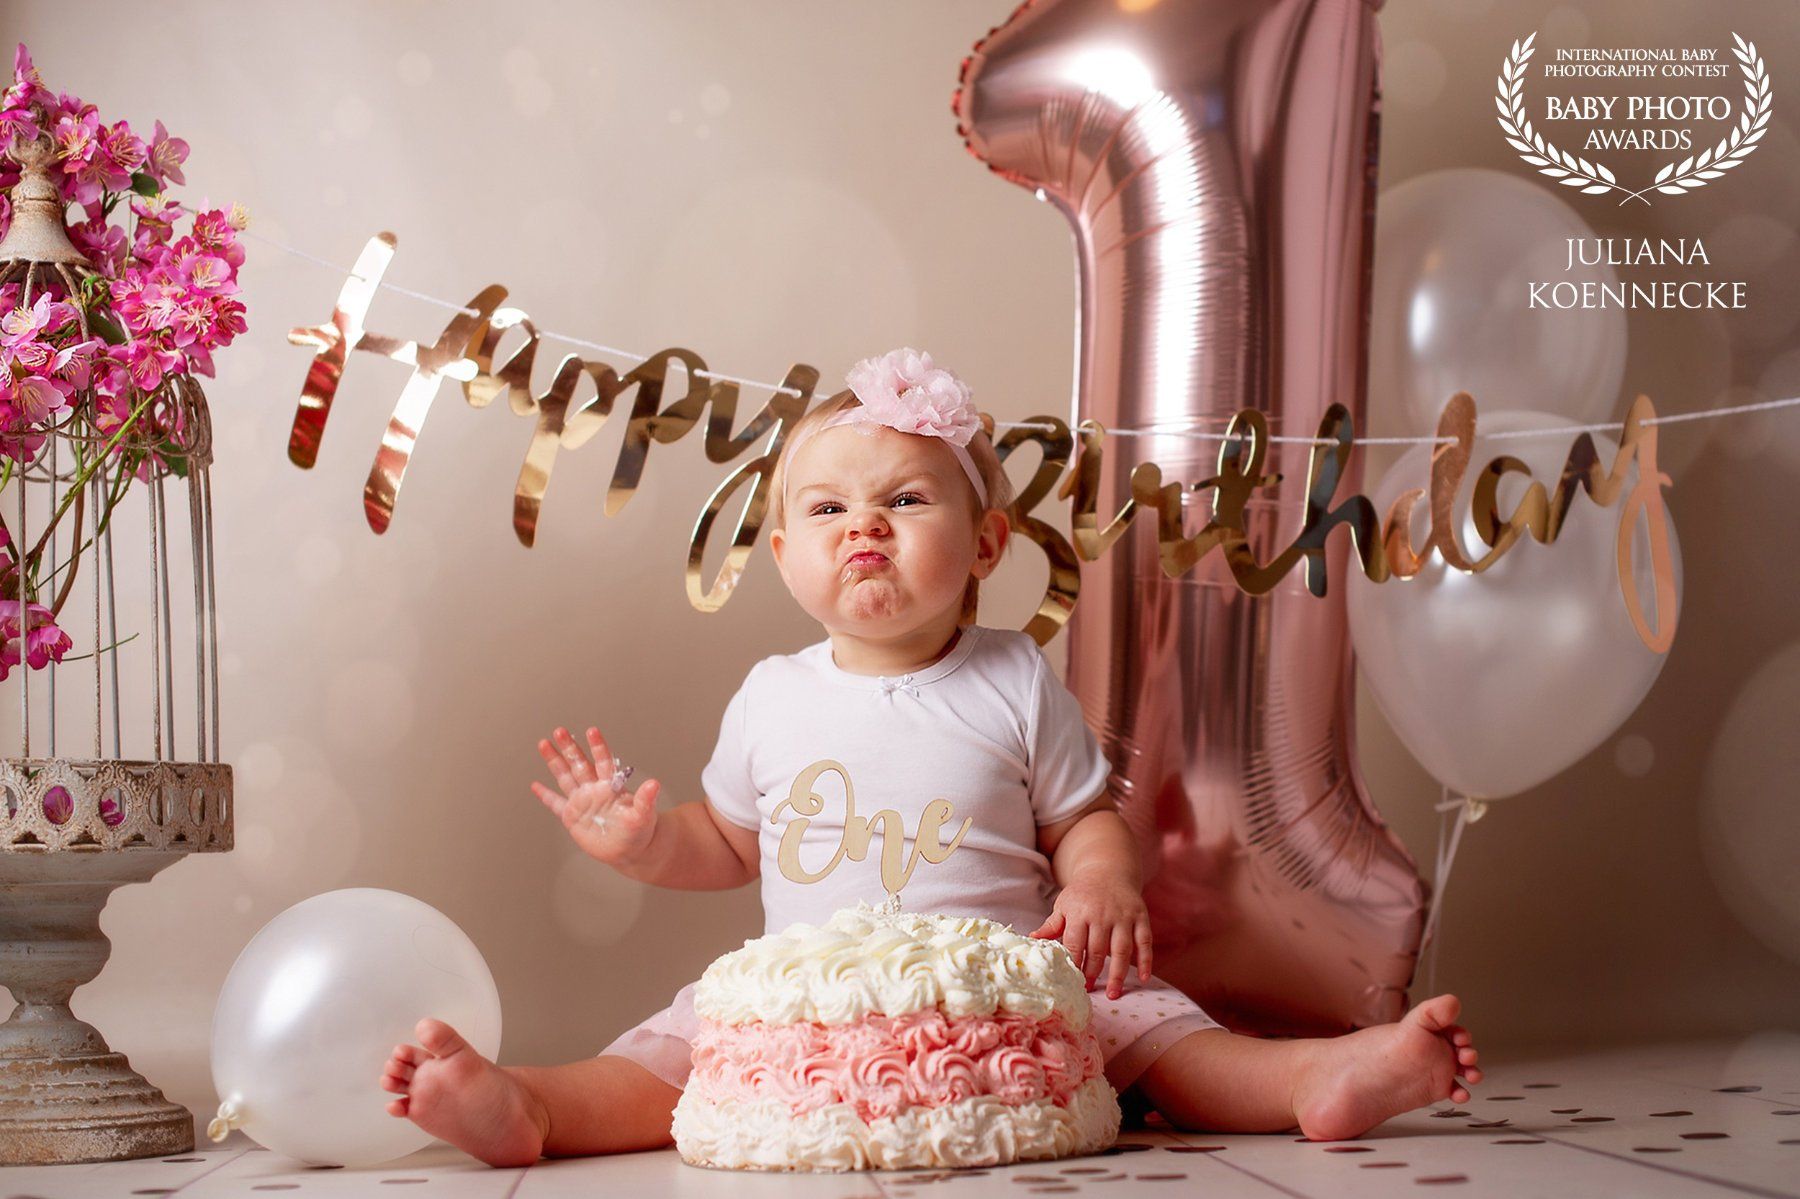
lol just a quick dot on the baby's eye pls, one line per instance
(819, 509)
(910, 495)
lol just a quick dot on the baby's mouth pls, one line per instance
(863, 565)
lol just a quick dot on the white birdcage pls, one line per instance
(96, 790)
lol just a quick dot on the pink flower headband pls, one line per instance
(904, 391)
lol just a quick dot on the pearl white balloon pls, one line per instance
(1455, 253)
(1499, 680)
(315, 1004)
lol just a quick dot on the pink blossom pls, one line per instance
(74, 362)
(904, 390)
(156, 217)
(44, 643)
(20, 105)
(199, 359)
(32, 357)
(143, 303)
(111, 406)
(38, 399)
(18, 440)
(165, 156)
(77, 138)
(208, 273)
(102, 243)
(21, 324)
(146, 362)
(124, 152)
(215, 233)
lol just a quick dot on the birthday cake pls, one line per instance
(890, 1040)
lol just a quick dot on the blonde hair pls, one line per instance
(980, 447)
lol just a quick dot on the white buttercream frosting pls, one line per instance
(883, 962)
(978, 1131)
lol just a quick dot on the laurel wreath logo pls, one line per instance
(1593, 177)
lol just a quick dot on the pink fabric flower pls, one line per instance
(156, 217)
(45, 643)
(904, 390)
(39, 399)
(164, 157)
(21, 106)
(103, 244)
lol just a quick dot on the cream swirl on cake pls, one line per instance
(883, 962)
(890, 1040)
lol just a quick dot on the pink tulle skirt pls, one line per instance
(1134, 1030)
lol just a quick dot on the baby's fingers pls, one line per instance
(603, 759)
(1119, 963)
(1096, 952)
(1075, 939)
(645, 798)
(1144, 942)
(584, 801)
(551, 799)
(1052, 927)
(559, 769)
(579, 766)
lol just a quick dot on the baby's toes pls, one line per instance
(397, 1107)
(1467, 1056)
(1458, 1035)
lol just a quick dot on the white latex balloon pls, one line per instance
(1455, 252)
(315, 1004)
(1499, 680)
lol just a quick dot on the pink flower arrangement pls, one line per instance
(903, 390)
(160, 303)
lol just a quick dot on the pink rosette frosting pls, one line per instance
(882, 1065)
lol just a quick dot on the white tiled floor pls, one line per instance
(1719, 1118)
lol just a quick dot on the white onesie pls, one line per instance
(839, 772)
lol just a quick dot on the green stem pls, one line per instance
(101, 650)
(81, 480)
(112, 502)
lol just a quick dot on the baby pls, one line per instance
(967, 776)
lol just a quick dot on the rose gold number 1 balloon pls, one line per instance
(1217, 161)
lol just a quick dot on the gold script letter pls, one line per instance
(896, 867)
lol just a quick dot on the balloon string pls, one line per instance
(1468, 811)
(782, 389)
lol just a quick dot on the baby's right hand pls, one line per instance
(613, 827)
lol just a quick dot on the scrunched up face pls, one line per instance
(880, 531)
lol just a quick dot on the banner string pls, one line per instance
(1194, 435)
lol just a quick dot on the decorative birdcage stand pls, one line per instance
(72, 829)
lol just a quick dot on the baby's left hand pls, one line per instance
(1097, 918)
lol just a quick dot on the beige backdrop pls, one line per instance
(778, 181)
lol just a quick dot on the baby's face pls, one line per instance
(880, 534)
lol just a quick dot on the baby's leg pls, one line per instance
(513, 1116)
(1331, 1088)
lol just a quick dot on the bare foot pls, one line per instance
(1367, 1076)
(452, 1092)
